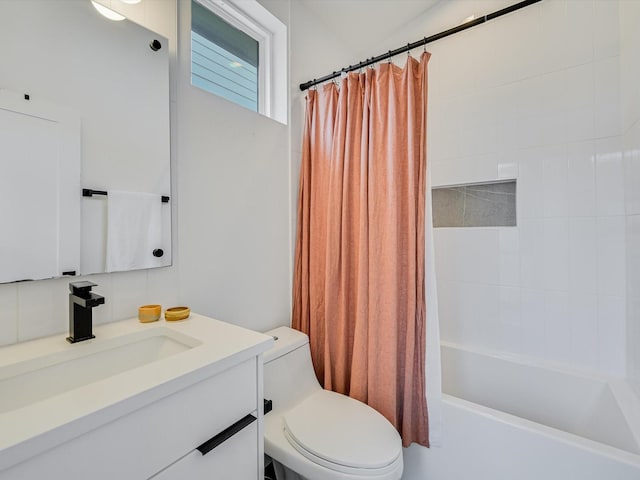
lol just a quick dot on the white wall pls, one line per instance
(630, 79)
(233, 213)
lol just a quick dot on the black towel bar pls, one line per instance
(87, 192)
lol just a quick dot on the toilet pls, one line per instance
(315, 434)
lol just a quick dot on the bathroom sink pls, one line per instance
(41, 377)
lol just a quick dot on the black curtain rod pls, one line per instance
(419, 43)
(87, 192)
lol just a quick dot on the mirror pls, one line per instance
(63, 56)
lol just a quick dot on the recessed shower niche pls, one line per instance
(490, 204)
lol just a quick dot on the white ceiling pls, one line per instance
(384, 17)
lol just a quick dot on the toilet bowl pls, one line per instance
(315, 434)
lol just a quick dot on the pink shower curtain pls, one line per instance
(359, 266)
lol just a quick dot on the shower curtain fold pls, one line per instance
(359, 274)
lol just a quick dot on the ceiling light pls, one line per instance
(107, 12)
(130, 2)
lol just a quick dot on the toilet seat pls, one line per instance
(342, 434)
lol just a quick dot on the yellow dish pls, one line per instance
(149, 313)
(176, 313)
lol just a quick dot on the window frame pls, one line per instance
(242, 15)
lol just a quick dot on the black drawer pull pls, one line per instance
(226, 434)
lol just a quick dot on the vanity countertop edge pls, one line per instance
(35, 428)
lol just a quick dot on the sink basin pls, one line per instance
(36, 379)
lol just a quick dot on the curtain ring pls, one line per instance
(424, 44)
(408, 49)
(389, 57)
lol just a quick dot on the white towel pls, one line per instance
(134, 230)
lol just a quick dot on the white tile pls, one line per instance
(485, 168)
(633, 256)
(128, 291)
(553, 15)
(633, 345)
(632, 170)
(612, 335)
(581, 178)
(607, 33)
(508, 98)
(441, 250)
(555, 179)
(580, 86)
(580, 112)
(474, 255)
(43, 308)
(469, 313)
(558, 338)
(552, 128)
(532, 253)
(607, 97)
(533, 322)
(530, 180)
(609, 177)
(583, 311)
(480, 312)
(507, 170)
(583, 255)
(449, 311)
(579, 44)
(509, 253)
(580, 123)
(611, 255)
(163, 286)
(556, 254)
(510, 323)
(8, 313)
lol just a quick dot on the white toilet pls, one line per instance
(315, 434)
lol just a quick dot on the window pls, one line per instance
(238, 52)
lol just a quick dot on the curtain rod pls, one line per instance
(410, 46)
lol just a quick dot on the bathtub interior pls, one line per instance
(573, 403)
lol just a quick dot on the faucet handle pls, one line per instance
(81, 288)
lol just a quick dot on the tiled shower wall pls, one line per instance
(535, 95)
(629, 81)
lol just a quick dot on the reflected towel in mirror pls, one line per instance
(134, 230)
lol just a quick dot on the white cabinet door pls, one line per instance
(234, 459)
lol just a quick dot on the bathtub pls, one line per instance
(513, 420)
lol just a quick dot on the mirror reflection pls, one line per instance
(84, 104)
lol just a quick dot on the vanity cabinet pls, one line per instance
(159, 440)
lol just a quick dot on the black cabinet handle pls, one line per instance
(226, 434)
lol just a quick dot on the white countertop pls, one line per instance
(34, 428)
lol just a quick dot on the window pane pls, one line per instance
(224, 60)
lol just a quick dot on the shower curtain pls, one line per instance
(359, 274)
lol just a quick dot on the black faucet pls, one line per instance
(81, 301)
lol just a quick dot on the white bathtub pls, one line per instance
(506, 419)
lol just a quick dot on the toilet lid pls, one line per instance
(337, 431)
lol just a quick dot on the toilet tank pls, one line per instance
(288, 372)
